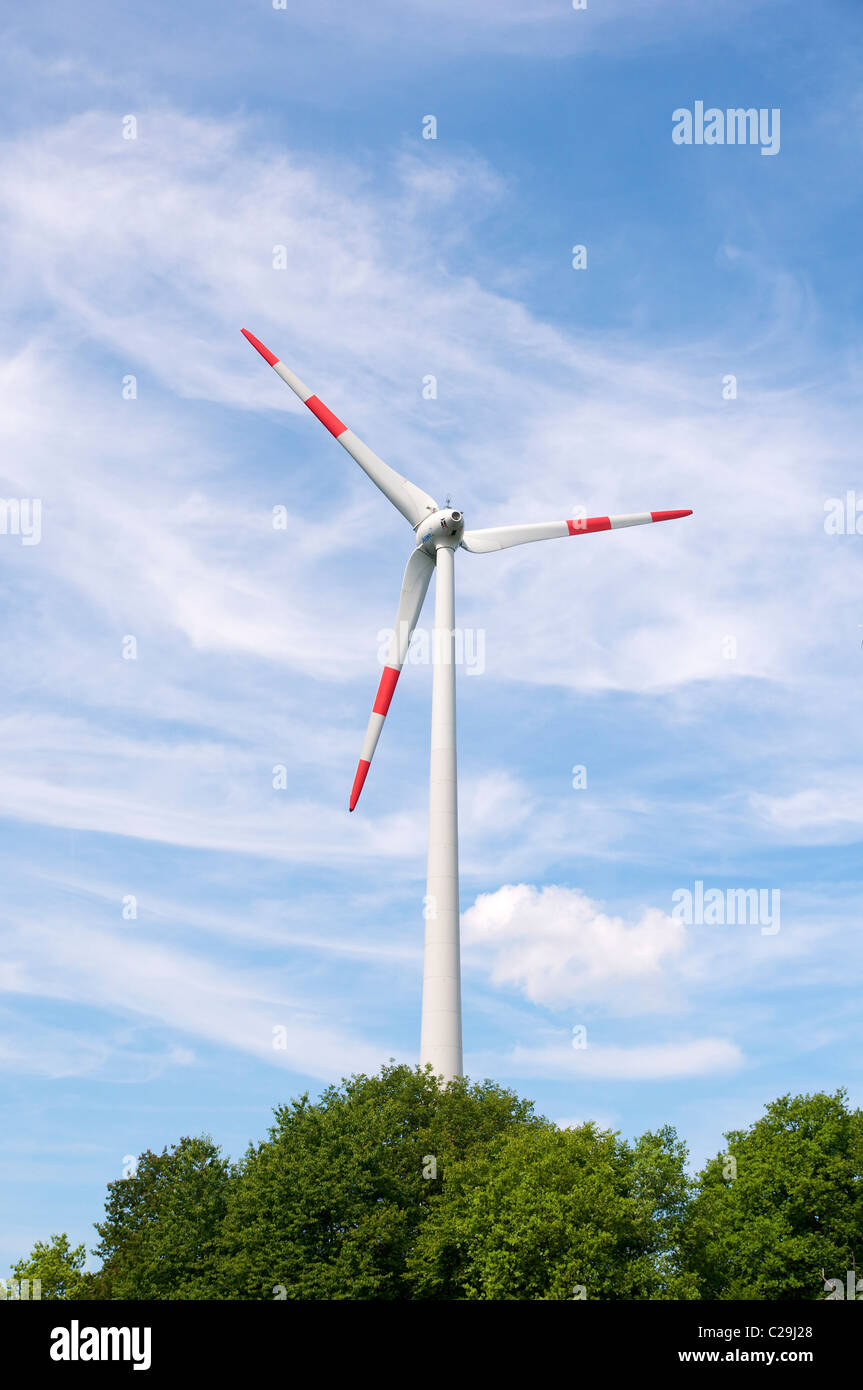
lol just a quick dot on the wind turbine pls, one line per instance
(439, 533)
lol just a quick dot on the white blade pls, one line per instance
(410, 500)
(501, 537)
(414, 588)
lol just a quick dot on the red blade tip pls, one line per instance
(669, 516)
(362, 769)
(264, 351)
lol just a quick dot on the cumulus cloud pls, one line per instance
(558, 947)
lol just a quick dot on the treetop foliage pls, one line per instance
(393, 1187)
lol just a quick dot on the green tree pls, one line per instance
(328, 1207)
(794, 1207)
(392, 1187)
(56, 1264)
(549, 1214)
(160, 1234)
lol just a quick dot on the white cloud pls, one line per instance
(558, 947)
(830, 812)
(121, 973)
(32, 1048)
(160, 249)
(649, 1062)
(527, 26)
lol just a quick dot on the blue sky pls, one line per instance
(706, 673)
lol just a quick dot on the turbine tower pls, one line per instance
(439, 533)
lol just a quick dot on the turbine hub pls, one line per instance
(441, 528)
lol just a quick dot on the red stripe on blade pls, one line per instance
(326, 416)
(264, 351)
(362, 769)
(589, 523)
(668, 516)
(385, 690)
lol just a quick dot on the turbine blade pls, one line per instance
(501, 537)
(414, 588)
(410, 500)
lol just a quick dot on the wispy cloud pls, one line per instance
(117, 973)
(153, 253)
(651, 1061)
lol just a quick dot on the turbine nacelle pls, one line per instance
(441, 528)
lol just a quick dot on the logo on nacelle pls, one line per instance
(443, 528)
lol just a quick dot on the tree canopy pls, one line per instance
(545, 1213)
(791, 1206)
(330, 1204)
(161, 1231)
(56, 1265)
(393, 1187)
